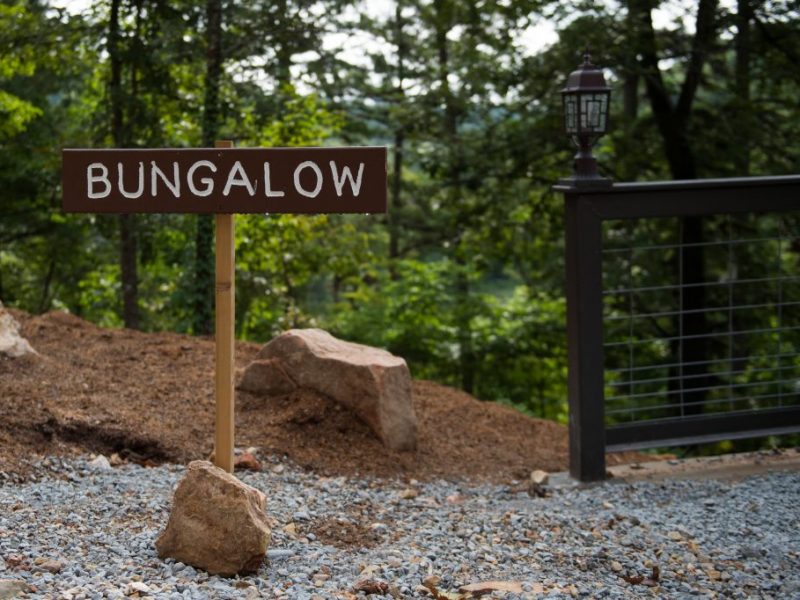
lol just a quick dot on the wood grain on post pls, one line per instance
(224, 297)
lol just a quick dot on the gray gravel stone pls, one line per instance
(707, 538)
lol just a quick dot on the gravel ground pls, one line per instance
(95, 530)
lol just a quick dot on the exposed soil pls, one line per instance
(725, 467)
(150, 398)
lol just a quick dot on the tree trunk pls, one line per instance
(673, 119)
(130, 277)
(282, 48)
(631, 98)
(744, 15)
(399, 142)
(44, 300)
(203, 295)
(127, 229)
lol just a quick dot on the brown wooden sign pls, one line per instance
(225, 181)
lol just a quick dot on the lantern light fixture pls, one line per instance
(586, 99)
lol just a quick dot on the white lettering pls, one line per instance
(174, 186)
(139, 191)
(91, 179)
(299, 188)
(207, 181)
(268, 191)
(242, 179)
(338, 182)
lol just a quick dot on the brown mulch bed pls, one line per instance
(149, 397)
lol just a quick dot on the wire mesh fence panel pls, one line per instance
(683, 314)
(702, 321)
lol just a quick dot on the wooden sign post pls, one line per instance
(225, 181)
(224, 321)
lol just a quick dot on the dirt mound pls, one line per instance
(150, 398)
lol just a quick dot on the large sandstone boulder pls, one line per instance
(217, 523)
(373, 383)
(11, 342)
(267, 377)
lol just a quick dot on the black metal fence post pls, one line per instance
(587, 460)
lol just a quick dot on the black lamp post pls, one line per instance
(586, 103)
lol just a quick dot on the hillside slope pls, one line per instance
(149, 397)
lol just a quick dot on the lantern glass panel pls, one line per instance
(571, 113)
(593, 113)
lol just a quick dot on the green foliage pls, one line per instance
(410, 313)
(16, 24)
(464, 277)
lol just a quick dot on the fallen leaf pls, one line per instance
(487, 587)
(430, 583)
(371, 586)
(651, 581)
(17, 561)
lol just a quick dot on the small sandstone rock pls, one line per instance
(100, 462)
(51, 565)
(246, 462)
(12, 588)
(217, 523)
(371, 382)
(138, 587)
(409, 493)
(266, 376)
(540, 477)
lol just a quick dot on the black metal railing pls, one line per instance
(683, 314)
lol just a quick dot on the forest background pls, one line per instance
(464, 276)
